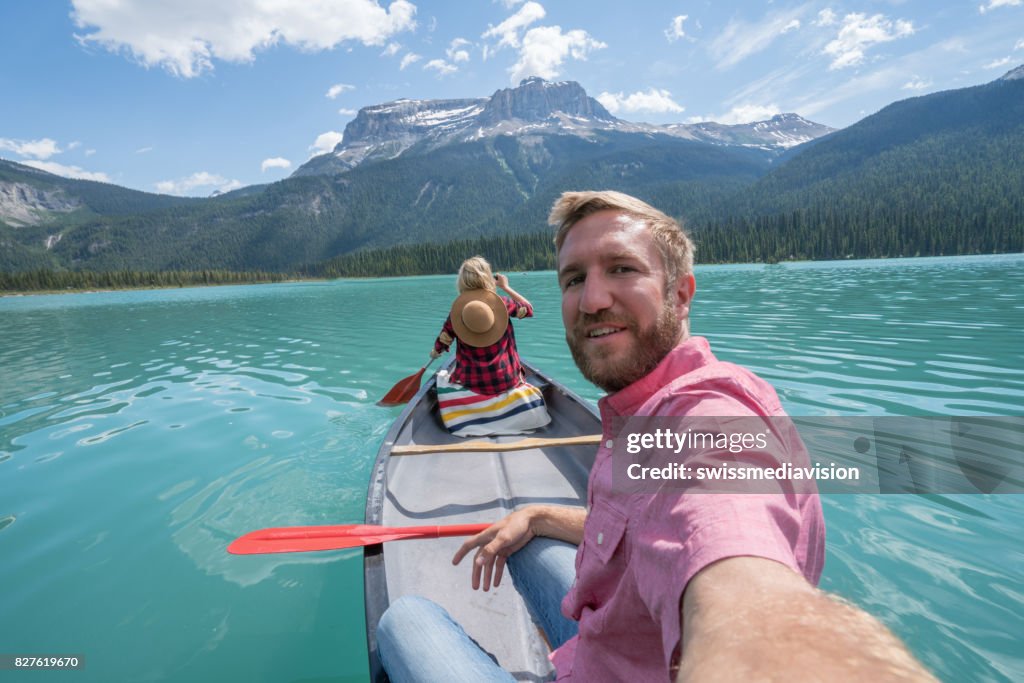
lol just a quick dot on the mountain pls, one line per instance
(406, 172)
(29, 196)
(937, 174)
(535, 107)
(37, 209)
(934, 174)
(1014, 74)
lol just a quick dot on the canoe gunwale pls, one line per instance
(375, 583)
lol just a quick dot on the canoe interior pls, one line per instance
(461, 488)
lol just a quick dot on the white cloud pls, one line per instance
(1019, 45)
(337, 89)
(992, 4)
(675, 30)
(455, 51)
(442, 67)
(326, 142)
(67, 171)
(545, 48)
(275, 162)
(44, 148)
(791, 26)
(998, 63)
(916, 84)
(653, 101)
(858, 33)
(89, 152)
(826, 17)
(186, 36)
(883, 79)
(74, 145)
(747, 113)
(143, 150)
(509, 29)
(408, 59)
(954, 44)
(740, 40)
(348, 112)
(202, 179)
(391, 50)
(781, 82)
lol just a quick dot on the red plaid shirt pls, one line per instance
(487, 369)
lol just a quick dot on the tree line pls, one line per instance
(50, 280)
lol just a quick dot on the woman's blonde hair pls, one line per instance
(475, 273)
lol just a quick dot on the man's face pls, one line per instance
(619, 319)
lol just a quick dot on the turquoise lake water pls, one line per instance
(142, 431)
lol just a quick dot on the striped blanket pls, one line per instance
(467, 413)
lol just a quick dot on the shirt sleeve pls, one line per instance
(694, 530)
(447, 336)
(702, 529)
(517, 310)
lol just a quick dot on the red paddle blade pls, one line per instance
(310, 538)
(403, 391)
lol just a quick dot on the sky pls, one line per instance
(190, 97)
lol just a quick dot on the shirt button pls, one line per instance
(600, 537)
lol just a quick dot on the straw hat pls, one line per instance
(479, 317)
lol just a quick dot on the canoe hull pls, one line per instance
(462, 488)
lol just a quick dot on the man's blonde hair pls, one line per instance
(475, 273)
(671, 239)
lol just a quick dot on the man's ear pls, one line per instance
(686, 287)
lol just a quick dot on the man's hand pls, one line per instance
(494, 544)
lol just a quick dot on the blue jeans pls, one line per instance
(418, 641)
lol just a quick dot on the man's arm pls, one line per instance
(495, 543)
(750, 618)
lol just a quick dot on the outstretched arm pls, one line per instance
(750, 618)
(503, 538)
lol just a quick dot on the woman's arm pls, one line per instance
(502, 281)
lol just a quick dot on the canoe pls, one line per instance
(452, 487)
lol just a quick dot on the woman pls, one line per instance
(486, 392)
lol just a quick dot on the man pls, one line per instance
(673, 586)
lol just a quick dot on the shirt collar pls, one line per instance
(691, 354)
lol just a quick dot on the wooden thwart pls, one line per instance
(492, 447)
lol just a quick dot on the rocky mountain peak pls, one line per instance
(407, 117)
(534, 107)
(537, 100)
(1014, 74)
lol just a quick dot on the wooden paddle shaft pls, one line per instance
(493, 447)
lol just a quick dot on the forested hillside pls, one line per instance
(468, 190)
(940, 174)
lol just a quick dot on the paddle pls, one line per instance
(405, 389)
(297, 539)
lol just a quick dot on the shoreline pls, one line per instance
(97, 290)
(100, 290)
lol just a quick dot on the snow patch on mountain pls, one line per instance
(535, 107)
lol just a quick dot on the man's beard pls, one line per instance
(650, 347)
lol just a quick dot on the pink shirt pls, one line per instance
(639, 551)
